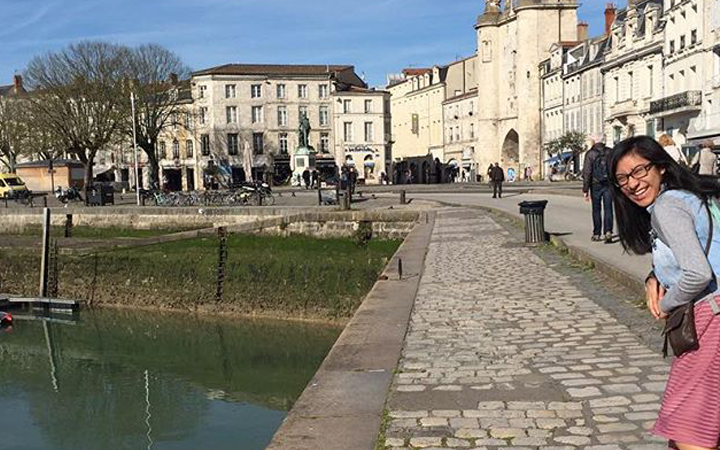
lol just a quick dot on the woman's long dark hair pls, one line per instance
(634, 221)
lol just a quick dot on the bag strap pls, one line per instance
(711, 230)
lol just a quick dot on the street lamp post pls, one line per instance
(137, 169)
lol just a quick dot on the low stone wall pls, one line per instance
(147, 218)
(386, 224)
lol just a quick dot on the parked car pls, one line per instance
(11, 185)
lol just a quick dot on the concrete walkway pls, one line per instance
(504, 351)
(567, 217)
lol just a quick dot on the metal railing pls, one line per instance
(677, 101)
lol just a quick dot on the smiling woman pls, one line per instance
(664, 208)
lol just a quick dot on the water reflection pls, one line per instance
(130, 380)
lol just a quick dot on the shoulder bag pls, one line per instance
(680, 332)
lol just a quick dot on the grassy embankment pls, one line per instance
(85, 232)
(290, 277)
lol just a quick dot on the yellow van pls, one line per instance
(11, 185)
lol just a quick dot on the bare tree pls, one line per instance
(78, 97)
(14, 130)
(160, 97)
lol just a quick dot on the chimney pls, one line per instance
(173, 79)
(17, 83)
(582, 31)
(610, 13)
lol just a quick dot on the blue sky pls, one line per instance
(377, 36)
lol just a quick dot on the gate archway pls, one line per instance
(511, 148)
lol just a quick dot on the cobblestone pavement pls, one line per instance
(504, 352)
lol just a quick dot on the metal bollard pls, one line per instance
(534, 212)
(344, 202)
(403, 200)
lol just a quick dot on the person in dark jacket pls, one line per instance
(596, 189)
(497, 176)
(306, 178)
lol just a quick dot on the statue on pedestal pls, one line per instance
(304, 132)
(304, 156)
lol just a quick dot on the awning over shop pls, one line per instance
(559, 158)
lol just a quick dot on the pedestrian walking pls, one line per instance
(314, 179)
(664, 209)
(353, 177)
(489, 173)
(596, 189)
(497, 176)
(306, 178)
(671, 149)
(705, 161)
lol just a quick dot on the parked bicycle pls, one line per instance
(259, 194)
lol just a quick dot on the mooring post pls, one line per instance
(348, 195)
(45, 254)
(222, 257)
(68, 225)
(319, 189)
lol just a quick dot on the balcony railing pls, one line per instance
(687, 99)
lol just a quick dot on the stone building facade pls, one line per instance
(706, 126)
(242, 107)
(583, 74)
(416, 99)
(234, 112)
(362, 139)
(553, 93)
(459, 118)
(684, 70)
(512, 42)
(460, 136)
(632, 70)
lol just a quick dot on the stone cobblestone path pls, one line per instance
(504, 352)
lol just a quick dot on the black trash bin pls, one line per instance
(534, 212)
(101, 195)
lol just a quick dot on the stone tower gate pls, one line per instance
(512, 41)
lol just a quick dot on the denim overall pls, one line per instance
(666, 268)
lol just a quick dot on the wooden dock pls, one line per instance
(8, 301)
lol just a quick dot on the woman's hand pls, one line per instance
(654, 293)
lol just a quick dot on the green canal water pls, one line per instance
(147, 380)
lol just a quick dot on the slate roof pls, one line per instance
(273, 69)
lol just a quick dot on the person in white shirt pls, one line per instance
(705, 159)
(669, 146)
